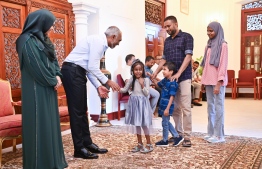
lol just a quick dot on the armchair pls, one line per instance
(122, 97)
(10, 123)
(63, 111)
(231, 82)
(246, 79)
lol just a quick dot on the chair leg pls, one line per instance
(200, 96)
(118, 113)
(235, 93)
(259, 93)
(14, 145)
(1, 143)
(232, 93)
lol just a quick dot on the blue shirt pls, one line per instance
(176, 49)
(168, 89)
(87, 54)
(147, 69)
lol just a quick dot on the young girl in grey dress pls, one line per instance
(138, 116)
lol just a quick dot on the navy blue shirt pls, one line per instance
(176, 49)
(167, 89)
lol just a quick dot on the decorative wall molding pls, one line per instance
(251, 5)
(11, 17)
(51, 8)
(60, 50)
(153, 12)
(71, 31)
(12, 68)
(20, 2)
(254, 22)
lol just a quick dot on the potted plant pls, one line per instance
(200, 69)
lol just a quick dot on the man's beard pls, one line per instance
(172, 32)
(112, 44)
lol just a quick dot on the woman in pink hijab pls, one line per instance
(214, 81)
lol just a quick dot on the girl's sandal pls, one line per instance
(147, 149)
(137, 148)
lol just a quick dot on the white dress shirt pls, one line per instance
(87, 54)
(125, 73)
(160, 74)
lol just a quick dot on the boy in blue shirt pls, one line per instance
(166, 105)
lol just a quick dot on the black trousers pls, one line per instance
(74, 82)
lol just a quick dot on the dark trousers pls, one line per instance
(74, 82)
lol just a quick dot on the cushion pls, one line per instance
(11, 132)
(12, 121)
(63, 111)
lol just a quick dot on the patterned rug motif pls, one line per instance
(237, 152)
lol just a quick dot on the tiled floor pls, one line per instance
(243, 117)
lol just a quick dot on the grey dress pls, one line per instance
(138, 117)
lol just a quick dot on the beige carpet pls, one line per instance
(237, 152)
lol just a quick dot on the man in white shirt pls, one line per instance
(125, 73)
(160, 75)
(84, 60)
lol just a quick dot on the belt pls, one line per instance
(73, 65)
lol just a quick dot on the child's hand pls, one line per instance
(141, 81)
(166, 112)
(149, 74)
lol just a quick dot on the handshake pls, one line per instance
(103, 90)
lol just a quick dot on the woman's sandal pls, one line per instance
(147, 149)
(186, 143)
(137, 148)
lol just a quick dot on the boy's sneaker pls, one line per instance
(178, 140)
(215, 139)
(162, 143)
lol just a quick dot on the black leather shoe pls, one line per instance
(197, 104)
(85, 154)
(95, 149)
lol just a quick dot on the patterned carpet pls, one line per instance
(237, 152)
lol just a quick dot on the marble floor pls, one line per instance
(243, 117)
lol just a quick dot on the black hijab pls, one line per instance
(38, 23)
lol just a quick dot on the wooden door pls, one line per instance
(155, 35)
(251, 37)
(13, 14)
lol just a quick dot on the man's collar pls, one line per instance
(179, 34)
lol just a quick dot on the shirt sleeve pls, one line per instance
(127, 86)
(222, 68)
(57, 68)
(96, 53)
(145, 90)
(189, 44)
(33, 63)
(93, 80)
